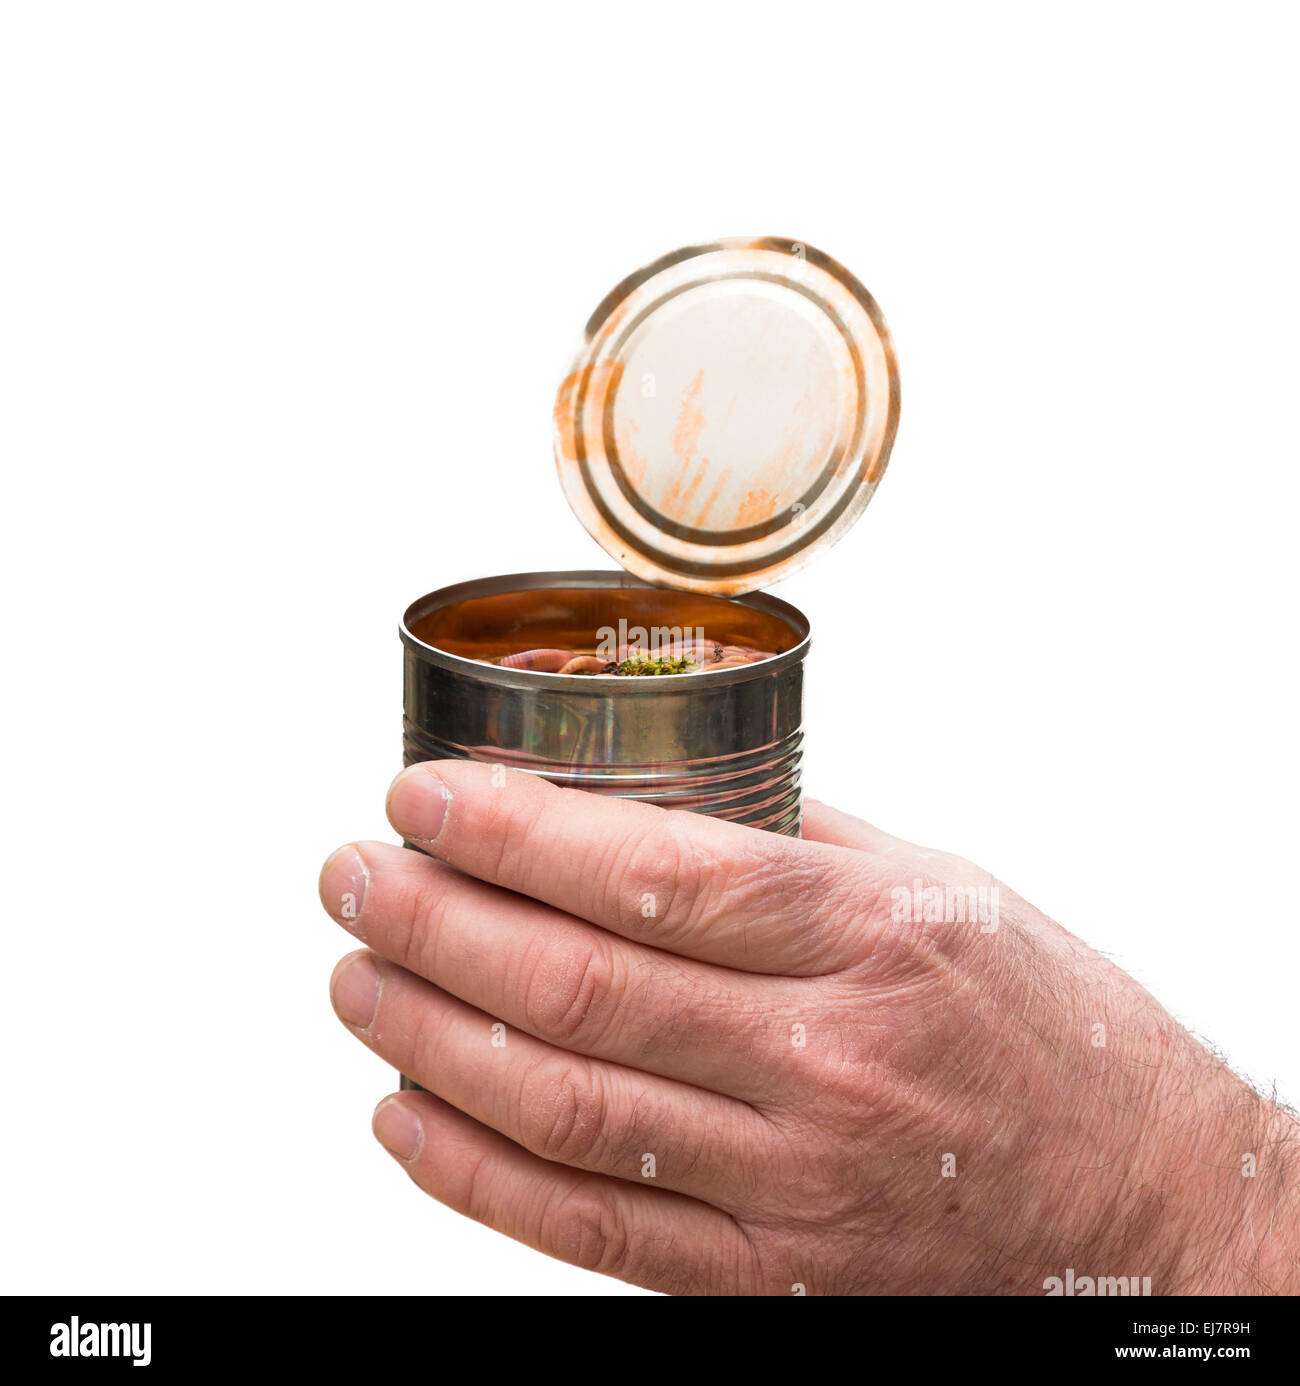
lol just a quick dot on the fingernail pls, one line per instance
(354, 989)
(344, 880)
(417, 804)
(398, 1129)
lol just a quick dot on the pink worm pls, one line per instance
(540, 661)
(701, 651)
(736, 660)
(584, 664)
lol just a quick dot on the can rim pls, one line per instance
(595, 578)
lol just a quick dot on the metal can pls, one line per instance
(726, 743)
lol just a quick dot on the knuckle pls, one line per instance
(671, 869)
(781, 868)
(589, 1232)
(562, 1115)
(569, 997)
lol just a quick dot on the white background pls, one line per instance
(285, 294)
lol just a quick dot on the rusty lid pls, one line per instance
(731, 412)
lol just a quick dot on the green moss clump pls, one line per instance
(641, 666)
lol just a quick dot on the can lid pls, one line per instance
(731, 412)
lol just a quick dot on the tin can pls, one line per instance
(730, 413)
(725, 744)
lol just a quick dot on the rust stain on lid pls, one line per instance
(731, 412)
(690, 422)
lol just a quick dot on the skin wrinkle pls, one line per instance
(687, 1000)
(670, 1032)
(825, 953)
(471, 1202)
(427, 919)
(748, 1262)
(556, 1110)
(659, 867)
(551, 1111)
(606, 868)
(602, 1240)
(563, 1116)
(427, 1038)
(678, 1160)
(572, 999)
(726, 902)
(838, 894)
(513, 845)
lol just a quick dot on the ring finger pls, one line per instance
(563, 1107)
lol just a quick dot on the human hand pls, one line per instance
(708, 1059)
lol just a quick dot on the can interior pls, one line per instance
(501, 623)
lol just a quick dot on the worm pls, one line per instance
(701, 651)
(733, 658)
(584, 664)
(706, 655)
(540, 661)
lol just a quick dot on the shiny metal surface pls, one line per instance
(725, 744)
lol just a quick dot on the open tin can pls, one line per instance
(725, 743)
(731, 412)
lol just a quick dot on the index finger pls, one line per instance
(697, 886)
